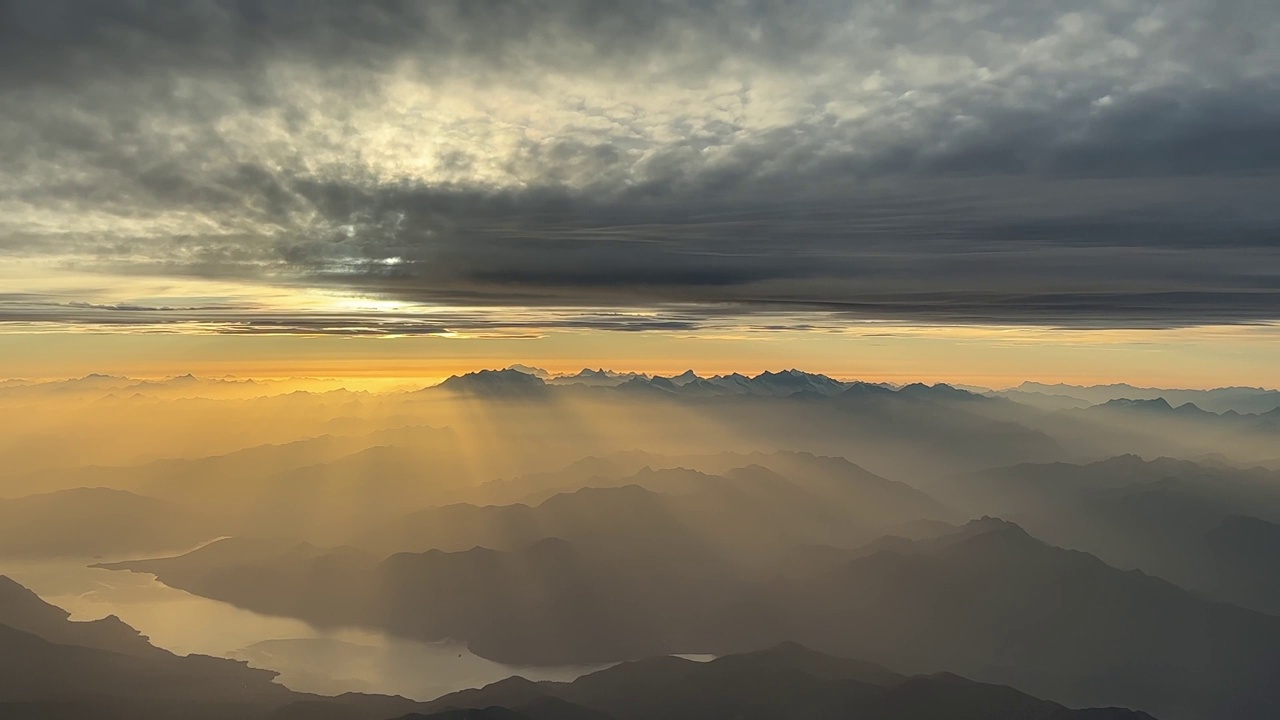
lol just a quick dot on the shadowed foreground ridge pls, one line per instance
(53, 668)
(787, 681)
(985, 599)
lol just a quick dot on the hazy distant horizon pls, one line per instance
(389, 382)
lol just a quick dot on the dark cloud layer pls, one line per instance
(1101, 164)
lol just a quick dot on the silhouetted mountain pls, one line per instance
(534, 371)
(201, 479)
(690, 384)
(684, 378)
(23, 610)
(865, 390)
(993, 603)
(495, 384)
(1240, 558)
(1244, 400)
(1157, 427)
(34, 669)
(96, 521)
(746, 513)
(653, 383)
(789, 382)
(1157, 515)
(552, 602)
(622, 514)
(781, 384)
(52, 668)
(559, 711)
(190, 386)
(1155, 405)
(941, 391)
(270, 490)
(1256, 490)
(787, 681)
(918, 433)
(1042, 400)
(744, 527)
(323, 585)
(594, 378)
(94, 382)
(866, 498)
(332, 501)
(178, 387)
(736, 382)
(699, 387)
(584, 472)
(988, 601)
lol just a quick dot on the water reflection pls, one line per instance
(309, 659)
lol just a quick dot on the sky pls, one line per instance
(923, 189)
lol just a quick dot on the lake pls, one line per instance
(309, 659)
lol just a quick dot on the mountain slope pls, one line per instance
(96, 521)
(1171, 518)
(52, 668)
(787, 681)
(863, 496)
(988, 601)
(996, 604)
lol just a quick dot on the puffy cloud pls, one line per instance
(1106, 163)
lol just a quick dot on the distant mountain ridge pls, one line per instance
(518, 381)
(83, 522)
(495, 383)
(1212, 528)
(1240, 399)
(1243, 400)
(179, 386)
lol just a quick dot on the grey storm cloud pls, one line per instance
(1105, 163)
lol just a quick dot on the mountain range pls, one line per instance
(524, 381)
(604, 517)
(785, 681)
(986, 600)
(1207, 527)
(52, 668)
(85, 522)
(1243, 400)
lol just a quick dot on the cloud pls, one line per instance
(1106, 164)
(34, 313)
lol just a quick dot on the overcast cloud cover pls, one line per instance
(1096, 163)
